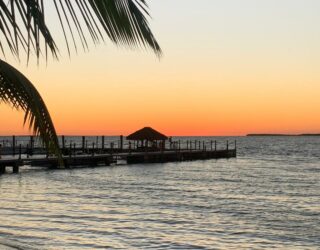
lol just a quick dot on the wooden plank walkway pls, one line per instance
(92, 160)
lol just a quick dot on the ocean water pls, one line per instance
(268, 197)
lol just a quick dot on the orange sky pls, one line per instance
(226, 71)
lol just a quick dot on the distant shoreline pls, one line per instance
(283, 135)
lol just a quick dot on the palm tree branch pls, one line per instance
(17, 90)
(123, 21)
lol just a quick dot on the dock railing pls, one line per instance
(27, 146)
(79, 151)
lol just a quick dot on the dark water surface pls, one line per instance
(269, 197)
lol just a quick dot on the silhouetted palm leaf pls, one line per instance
(23, 24)
(18, 91)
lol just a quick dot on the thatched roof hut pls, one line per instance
(147, 134)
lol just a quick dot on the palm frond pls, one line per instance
(124, 22)
(18, 91)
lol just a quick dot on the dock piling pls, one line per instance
(15, 169)
(102, 143)
(20, 151)
(31, 145)
(83, 143)
(63, 143)
(13, 145)
(27, 150)
(121, 142)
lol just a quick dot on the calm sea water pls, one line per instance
(269, 197)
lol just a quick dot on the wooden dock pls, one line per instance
(18, 156)
(94, 160)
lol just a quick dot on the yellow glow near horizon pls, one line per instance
(251, 71)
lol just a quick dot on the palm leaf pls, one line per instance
(17, 90)
(124, 22)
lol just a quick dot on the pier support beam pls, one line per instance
(15, 169)
(83, 143)
(31, 145)
(13, 145)
(102, 143)
(20, 151)
(2, 170)
(121, 142)
(63, 143)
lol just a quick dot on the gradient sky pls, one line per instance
(229, 68)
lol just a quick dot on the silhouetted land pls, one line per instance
(283, 135)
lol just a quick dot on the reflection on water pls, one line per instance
(269, 197)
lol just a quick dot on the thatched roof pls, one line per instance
(147, 133)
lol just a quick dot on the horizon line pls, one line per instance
(115, 135)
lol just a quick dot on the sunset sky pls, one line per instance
(229, 68)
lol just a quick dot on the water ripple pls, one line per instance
(269, 197)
